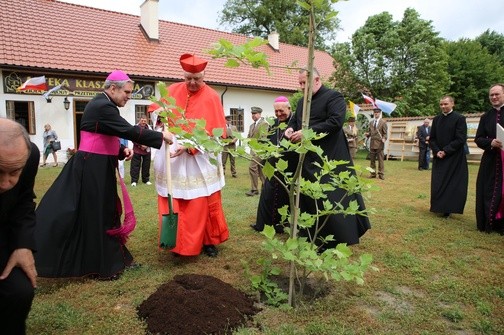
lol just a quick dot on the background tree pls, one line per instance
(344, 78)
(401, 61)
(472, 69)
(494, 43)
(259, 18)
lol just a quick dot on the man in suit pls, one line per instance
(378, 136)
(230, 146)
(141, 161)
(351, 133)
(423, 135)
(258, 129)
(19, 160)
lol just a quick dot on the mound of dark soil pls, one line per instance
(194, 304)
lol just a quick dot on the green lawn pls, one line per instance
(437, 276)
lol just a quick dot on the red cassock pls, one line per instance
(196, 181)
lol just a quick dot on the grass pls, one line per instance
(437, 276)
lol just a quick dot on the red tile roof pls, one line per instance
(52, 35)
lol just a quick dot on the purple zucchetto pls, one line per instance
(118, 75)
(281, 99)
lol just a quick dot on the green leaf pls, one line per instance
(268, 170)
(282, 165)
(304, 5)
(162, 89)
(231, 63)
(268, 231)
(217, 132)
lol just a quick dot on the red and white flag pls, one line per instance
(369, 100)
(34, 84)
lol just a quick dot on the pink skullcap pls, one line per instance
(118, 75)
(281, 99)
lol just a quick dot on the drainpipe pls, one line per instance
(222, 96)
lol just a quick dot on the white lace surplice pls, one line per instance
(193, 176)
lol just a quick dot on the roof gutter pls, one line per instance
(222, 95)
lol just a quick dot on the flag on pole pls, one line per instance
(34, 84)
(55, 88)
(386, 107)
(369, 100)
(354, 109)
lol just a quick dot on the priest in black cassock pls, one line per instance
(328, 111)
(489, 184)
(449, 166)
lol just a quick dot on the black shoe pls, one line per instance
(372, 176)
(279, 229)
(252, 193)
(420, 169)
(253, 226)
(111, 278)
(210, 250)
(234, 176)
(381, 177)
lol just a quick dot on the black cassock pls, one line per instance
(327, 115)
(450, 174)
(489, 181)
(82, 203)
(273, 194)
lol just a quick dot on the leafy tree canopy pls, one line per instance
(472, 69)
(494, 43)
(401, 62)
(262, 17)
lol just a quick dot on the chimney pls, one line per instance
(274, 40)
(149, 18)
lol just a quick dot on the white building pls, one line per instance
(78, 46)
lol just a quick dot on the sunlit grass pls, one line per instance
(437, 276)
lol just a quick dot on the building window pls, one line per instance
(22, 112)
(237, 118)
(140, 112)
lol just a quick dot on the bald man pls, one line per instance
(19, 160)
